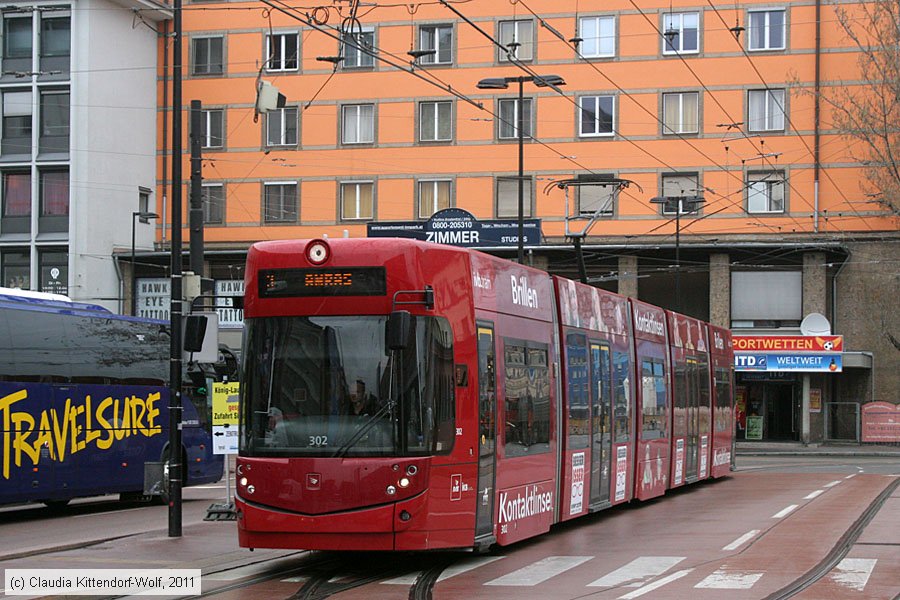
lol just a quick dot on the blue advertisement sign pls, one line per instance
(818, 363)
(458, 227)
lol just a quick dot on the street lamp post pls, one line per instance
(687, 205)
(145, 218)
(502, 83)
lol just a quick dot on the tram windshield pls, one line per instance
(329, 387)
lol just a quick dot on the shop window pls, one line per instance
(15, 264)
(54, 271)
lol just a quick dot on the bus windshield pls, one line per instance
(329, 387)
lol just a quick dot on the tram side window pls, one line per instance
(577, 391)
(527, 398)
(601, 382)
(679, 418)
(653, 397)
(702, 368)
(622, 392)
(723, 399)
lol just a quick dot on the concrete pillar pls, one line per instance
(815, 283)
(628, 271)
(720, 290)
(538, 262)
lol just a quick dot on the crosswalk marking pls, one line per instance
(853, 573)
(832, 484)
(741, 540)
(784, 512)
(812, 495)
(729, 580)
(457, 569)
(540, 571)
(640, 569)
(655, 585)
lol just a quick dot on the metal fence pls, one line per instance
(842, 422)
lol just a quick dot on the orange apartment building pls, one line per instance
(708, 106)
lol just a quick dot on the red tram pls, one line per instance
(400, 395)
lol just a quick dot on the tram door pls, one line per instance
(487, 419)
(692, 376)
(601, 422)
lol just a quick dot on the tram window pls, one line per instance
(527, 398)
(577, 391)
(601, 382)
(679, 418)
(723, 399)
(622, 391)
(702, 368)
(653, 398)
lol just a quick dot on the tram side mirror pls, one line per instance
(397, 330)
(194, 332)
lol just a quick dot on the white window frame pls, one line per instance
(276, 62)
(527, 130)
(606, 193)
(267, 218)
(767, 34)
(686, 193)
(435, 59)
(207, 39)
(675, 22)
(596, 125)
(344, 186)
(204, 195)
(437, 120)
(360, 59)
(680, 125)
(762, 184)
(357, 131)
(206, 139)
(599, 21)
(774, 115)
(527, 198)
(435, 184)
(282, 129)
(517, 36)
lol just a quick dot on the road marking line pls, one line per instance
(296, 579)
(853, 572)
(850, 475)
(540, 571)
(832, 484)
(655, 585)
(452, 571)
(784, 512)
(813, 494)
(640, 569)
(730, 580)
(124, 510)
(741, 540)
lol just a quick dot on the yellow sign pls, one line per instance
(225, 403)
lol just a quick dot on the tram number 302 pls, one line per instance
(318, 441)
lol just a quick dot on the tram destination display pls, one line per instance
(351, 281)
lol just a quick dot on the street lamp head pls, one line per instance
(548, 80)
(493, 83)
(144, 216)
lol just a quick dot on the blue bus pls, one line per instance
(84, 402)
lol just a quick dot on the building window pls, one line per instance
(435, 121)
(765, 192)
(53, 272)
(281, 127)
(766, 110)
(681, 33)
(770, 299)
(682, 191)
(17, 37)
(433, 196)
(54, 193)
(17, 111)
(508, 198)
(16, 194)
(596, 197)
(16, 266)
(598, 36)
(280, 203)
(518, 39)
(208, 56)
(282, 51)
(595, 115)
(681, 112)
(213, 197)
(765, 29)
(144, 201)
(56, 34)
(439, 39)
(358, 49)
(212, 128)
(54, 121)
(358, 124)
(357, 200)
(508, 128)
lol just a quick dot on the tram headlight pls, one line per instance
(412, 470)
(317, 252)
(404, 482)
(251, 489)
(391, 490)
(240, 469)
(243, 481)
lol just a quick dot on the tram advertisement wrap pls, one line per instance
(576, 499)
(621, 471)
(80, 418)
(529, 508)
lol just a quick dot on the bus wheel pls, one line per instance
(55, 504)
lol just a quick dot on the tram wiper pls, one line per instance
(363, 429)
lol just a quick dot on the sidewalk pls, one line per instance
(763, 448)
